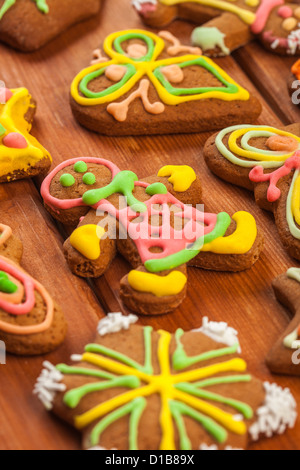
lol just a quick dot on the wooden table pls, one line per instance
(244, 300)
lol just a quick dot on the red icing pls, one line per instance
(28, 305)
(144, 235)
(263, 13)
(15, 140)
(257, 175)
(5, 95)
(285, 12)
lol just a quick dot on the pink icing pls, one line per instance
(28, 305)
(15, 140)
(285, 12)
(270, 38)
(147, 8)
(257, 175)
(263, 14)
(168, 239)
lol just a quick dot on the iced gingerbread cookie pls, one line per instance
(153, 223)
(227, 25)
(265, 160)
(30, 321)
(21, 155)
(152, 84)
(28, 25)
(284, 358)
(139, 389)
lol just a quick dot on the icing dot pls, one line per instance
(67, 180)
(80, 167)
(297, 13)
(89, 178)
(15, 140)
(156, 188)
(173, 73)
(6, 285)
(285, 12)
(289, 24)
(136, 51)
(115, 73)
(282, 143)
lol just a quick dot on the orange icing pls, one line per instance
(173, 73)
(115, 73)
(136, 51)
(282, 143)
(296, 69)
(177, 47)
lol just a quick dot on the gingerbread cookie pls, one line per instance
(294, 83)
(284, 358)
(21, 155)
(136, 388)
(30, 321)
(152, 223)
(149, 84)
(28, 25)
(265, 160)
(227, 25)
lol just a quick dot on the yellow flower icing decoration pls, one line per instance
(160, 286)
(86, 240)
(181, 176)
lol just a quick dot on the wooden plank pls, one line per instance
(245, 300)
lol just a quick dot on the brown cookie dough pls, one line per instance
(30, 322)
(28, 25)
(155, 223)
(284, 358)
(139, 389)
(151, 84)
(265, 160)
(228, 25)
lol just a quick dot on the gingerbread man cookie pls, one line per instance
(284, 358)
(136, 388)
(21, 155)
(30, 321)
(28, 25)
(266, 160)
(152, 84)
(227, 25)
(151, 225)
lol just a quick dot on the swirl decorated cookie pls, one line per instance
(152, 84)
(284, 358)
(139, 389)
(30, 321)
(153, 223)
(265, 160)
(28, 25)
(229, 24)
(21, 155)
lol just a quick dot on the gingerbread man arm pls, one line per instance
(283, 357)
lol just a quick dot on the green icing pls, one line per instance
(6, 285)
(293, 227)
(227, 88)
(230, 379)
(209, 38)
(89, 179)
(64, 369)
(184, 256)
(135, 408)
(2, 130)
(122, 183)
(156, 188)
(179, 409)
(80, 167)
(67, 180)
(181, 360)
(41, 5)
(127, 37)
(83, 86)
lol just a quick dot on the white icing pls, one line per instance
(278, 412)
(215, 447)
(115, 322)
(293, 41)
(219, 332)
(138, 3)
(48, 384)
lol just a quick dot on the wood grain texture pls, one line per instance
(245, 300)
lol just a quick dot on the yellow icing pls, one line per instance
(235, 148)
(86, 240)
(247, 16)
(12, 118)
(295, 201)
(241, 241)
(146, 68)
(181, 176)
(160, 286)
(164, 385)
